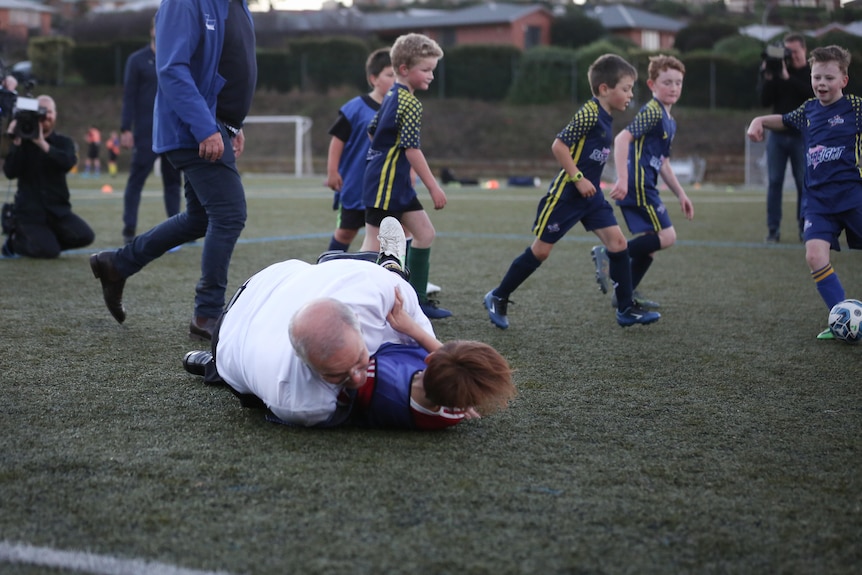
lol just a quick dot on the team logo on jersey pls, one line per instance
(836, 121)
(209, 22)
(655, 162)
(820, 154)
(600, 156)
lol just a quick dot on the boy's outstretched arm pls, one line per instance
(673, 184)
(420, 165)
(402, 322)
(758, 124)
(621, 157)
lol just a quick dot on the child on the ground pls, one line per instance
(388, 187)
(831, 124)
(582, 148)
(641, 155)
(348, 148)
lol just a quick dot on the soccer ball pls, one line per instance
(845, 320)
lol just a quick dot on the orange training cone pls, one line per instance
(107, 189)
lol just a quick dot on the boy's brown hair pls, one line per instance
(832, 53)
(464, 374)
(609, 69)
(377, 61)
(662, 62)
(410, 48)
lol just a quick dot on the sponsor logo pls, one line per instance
(822, 154)
(600, 156)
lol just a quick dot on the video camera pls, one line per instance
(25, 110)
(775, 56)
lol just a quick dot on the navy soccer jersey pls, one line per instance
(833, 180)
(653, 130)
(395, 128)
(384, 400)
(588, 136)
(351, 127)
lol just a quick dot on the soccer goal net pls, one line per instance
(270, 148)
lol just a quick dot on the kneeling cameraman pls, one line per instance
(43, 223)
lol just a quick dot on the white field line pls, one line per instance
(89, 562)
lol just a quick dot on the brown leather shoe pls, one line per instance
(103, 268)
(201, 328)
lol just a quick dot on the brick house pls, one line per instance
(647, 30)
(517, 25)
(19, 17)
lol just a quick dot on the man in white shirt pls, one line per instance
(252, 345)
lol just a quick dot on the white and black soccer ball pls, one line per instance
(845, 320)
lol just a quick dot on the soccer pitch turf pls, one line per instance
(723, 439)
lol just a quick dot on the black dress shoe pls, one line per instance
(195, 362)
(113, 283)
(201, 328)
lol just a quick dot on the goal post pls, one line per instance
(302, 139)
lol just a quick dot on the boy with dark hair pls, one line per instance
(641, 155)
(395, 149)
(348, 148)
(582, 148)
(831, 124)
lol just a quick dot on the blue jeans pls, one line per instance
(143, 159)
(780, 147)
(215, 211)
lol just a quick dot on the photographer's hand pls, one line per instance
(41, 142)
(10, 131)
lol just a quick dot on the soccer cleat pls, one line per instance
(393, 244)
(826, 334)
(433, 311)
(636, 314)
(432, 288)
(497, 308)
(639, 300)
(600, 259)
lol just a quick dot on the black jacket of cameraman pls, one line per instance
(42, 187)
(786, 95)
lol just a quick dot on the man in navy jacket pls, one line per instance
(207, 71)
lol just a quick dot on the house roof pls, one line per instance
(353, 19)
(480, 14)
(621, 17)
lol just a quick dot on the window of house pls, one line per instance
(650, 40)
(532, 37)
(26, 18)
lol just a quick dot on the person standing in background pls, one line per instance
(785, 89)
(136, 134)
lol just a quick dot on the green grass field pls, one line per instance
(723, 439)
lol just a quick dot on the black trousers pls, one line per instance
(47, 239)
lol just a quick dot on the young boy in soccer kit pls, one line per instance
(409, 387)
(395, 149)
(348, 148)
(831, 125)
(641, 155)
(582, 148)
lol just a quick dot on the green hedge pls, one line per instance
(724, 77)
